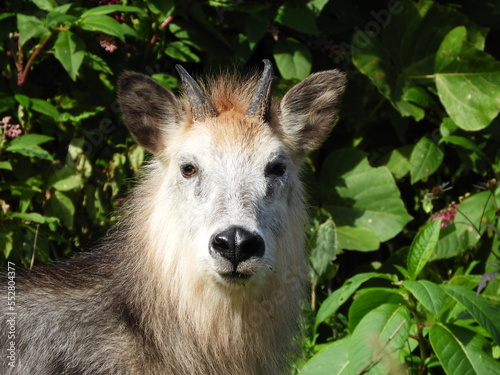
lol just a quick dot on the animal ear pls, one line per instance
(309, 109)
(149, 110)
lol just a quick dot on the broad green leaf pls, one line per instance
(181, 51)
(332, 303)
(400, 63)
(27, 145)
(54, 19)
(61, 206)
(422, 247)
(107, 25)
(47, 5)
(292, 58)
(333, 359)
(29, 140)
(299, 18)
(468, 81)
(486, 314)
(69, 49)
(30, 27)
(31, 216)
(5, 164)
(66, 179)
(44, 107)
(461, 351)
(107, 9)
(323, 249)
(316, 6)
(427, 293)
(30, 151)
(378, 339)
(465, 143)
(398, 161)
(368, 299)
(23, 100)
(425, 159)
(357, 238)
(358, 195)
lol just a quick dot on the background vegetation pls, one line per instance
(404, 241)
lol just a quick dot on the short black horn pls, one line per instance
(200, 106)
(260, 105)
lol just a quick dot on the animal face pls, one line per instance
(229, 161)
(235, 181)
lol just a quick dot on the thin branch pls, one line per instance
(22, 77)
(34, 247)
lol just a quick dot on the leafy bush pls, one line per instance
(404, 240)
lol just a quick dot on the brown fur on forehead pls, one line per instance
(229, 92)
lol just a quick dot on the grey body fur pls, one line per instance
(156, 298)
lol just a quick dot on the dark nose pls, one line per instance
(237, 244)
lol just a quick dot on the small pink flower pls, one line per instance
(108, 43)
(447, 215)
(9, 130)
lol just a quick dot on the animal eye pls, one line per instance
(188, 170)
(277, 169)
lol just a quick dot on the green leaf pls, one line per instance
(299, 18)
(31, 151)
(399, 161)
(357, 238)
(468, 81)
(66, 179)
(332, 359)
(460, 351)
(44, 107)
(5, 164)
(382, 333)
(332, 303)
(27, 145)
(69, 49)
(292, 58)
(47, 5)
(30, 27)
(427, 293)
(29, 140)
(422, 247)
(322, 249)
(54, 19)
(181, 51)
(464, 143)
(483, 311)
(358, 195)
(425, 159)
(107, 25)
(107, 9)
(370, 298)
(400, 63)
(32, 216)
(60, 205)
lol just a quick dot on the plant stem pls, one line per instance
(22, 77)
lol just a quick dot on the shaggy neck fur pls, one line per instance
(207, 328)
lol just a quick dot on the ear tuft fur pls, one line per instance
(309, 109)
